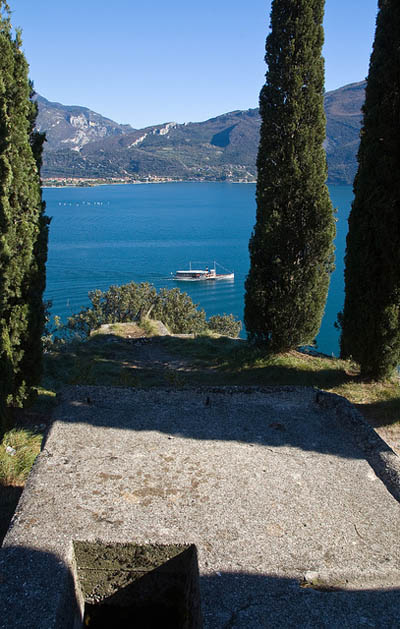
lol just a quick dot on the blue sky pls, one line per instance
(147, 63)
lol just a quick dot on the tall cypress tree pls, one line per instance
(23, 225)
(371, 316)
(291, 250)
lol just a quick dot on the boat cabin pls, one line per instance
(196, 274)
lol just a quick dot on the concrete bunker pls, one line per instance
(128, 585)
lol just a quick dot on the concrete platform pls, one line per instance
(290, 498)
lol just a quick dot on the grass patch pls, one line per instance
(236, 362)
(103, 359)
(18, 451)
(205, 349)
(379, 402)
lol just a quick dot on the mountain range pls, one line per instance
(83, 144)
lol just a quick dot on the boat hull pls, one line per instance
(203, 278)
(202, 275)
(231, 276)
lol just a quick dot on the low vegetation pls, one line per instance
(135, 302)
(18, 451)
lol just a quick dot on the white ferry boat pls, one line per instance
(198, 275)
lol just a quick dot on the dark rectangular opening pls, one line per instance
(131, 585)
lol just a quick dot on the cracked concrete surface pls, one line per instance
(289, 497)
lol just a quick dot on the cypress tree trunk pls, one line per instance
(291, 250)
(23, 226)
(371, 316)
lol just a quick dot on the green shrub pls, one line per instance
(178, 312)
(119, 304)
(225, 324)
(136, 302)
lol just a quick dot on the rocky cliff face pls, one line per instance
(82, 143)
(72, 127)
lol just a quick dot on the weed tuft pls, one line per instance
(18, 451)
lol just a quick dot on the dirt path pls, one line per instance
(149, 353)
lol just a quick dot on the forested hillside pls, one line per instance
(82, 143)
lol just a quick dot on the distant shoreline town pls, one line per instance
(88, 182)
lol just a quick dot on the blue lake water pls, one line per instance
(114, 234)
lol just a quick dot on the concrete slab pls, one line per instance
(288, 496)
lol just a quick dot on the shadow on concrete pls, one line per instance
(210, 414)
(249, 601)
(37, 592)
